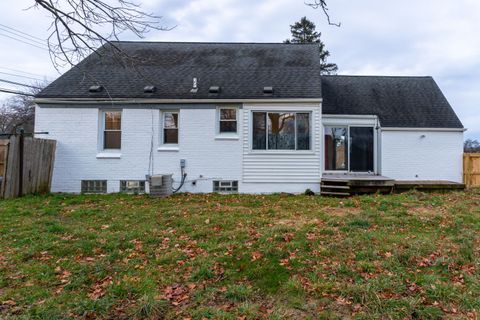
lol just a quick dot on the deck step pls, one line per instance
(331, 193)
(329, 186)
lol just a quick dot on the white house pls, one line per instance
(240, 117)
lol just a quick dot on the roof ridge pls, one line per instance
(211, 42)
(373, 76)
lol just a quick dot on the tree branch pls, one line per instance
(323, 4)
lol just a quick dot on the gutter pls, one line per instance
(169, 101)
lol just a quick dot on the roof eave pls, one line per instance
(170, 101)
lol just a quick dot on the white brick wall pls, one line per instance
(207, 157)
(406, 155)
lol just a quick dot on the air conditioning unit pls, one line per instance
(161, 185)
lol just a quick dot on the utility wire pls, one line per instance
(16, 92)
(18, 34)
(20, 40)
(24, 72)
(16, 30)
(18, 75)
(20, 84)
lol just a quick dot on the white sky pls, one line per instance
(440, 38)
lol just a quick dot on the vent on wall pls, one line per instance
(268, 90)
(214, 90)
(95, 89)
(149, 89)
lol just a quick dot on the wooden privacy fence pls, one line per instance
(27, 165)
(471, 169)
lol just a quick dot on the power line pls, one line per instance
(20, 84)
(16, 30)
(20, 40)
(18, 75)
(17, 34)
(25, 72)
(16, 92)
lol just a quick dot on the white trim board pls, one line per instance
(424, 129)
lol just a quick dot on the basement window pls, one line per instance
(225, 186)
(132, 186)
(94, 186)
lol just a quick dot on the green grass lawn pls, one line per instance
(412, 256)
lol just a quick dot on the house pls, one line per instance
(240, 117)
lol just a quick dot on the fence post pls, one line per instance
(20, 162)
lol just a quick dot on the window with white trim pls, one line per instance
(112, 130)
(170, 127)
(281, 131)
(227, 120)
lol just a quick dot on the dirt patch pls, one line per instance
(299, 222)
(341, 212)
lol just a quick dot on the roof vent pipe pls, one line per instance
(195, 86)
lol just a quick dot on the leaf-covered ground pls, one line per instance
(408, 256)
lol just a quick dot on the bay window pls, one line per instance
(281, 131)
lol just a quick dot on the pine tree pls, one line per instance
(304, 31)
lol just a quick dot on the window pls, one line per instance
(170, 127)
(112, 129)
(225, 186)
(94, 186)
(132, 186)
(228, 120)
(281, 131)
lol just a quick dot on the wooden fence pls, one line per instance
(27, 166)
(471, 170)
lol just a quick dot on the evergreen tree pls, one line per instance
(304, 31)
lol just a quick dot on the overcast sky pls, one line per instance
(440, 38)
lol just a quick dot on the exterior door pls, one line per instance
(361, 149)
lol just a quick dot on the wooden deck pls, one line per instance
(350, 184)
(428, 185)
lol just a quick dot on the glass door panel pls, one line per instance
(361, 149)
(336, 148)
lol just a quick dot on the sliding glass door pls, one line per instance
(349, 148)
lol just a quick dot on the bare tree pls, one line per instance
(18, 112)
(471, 146)
(79, 27)
(322, 4)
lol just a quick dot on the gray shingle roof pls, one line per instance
(240, 69)
(415, 102)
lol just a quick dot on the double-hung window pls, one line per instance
(281, 131)
(170, 127)
(112, 130)
(227, 120)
